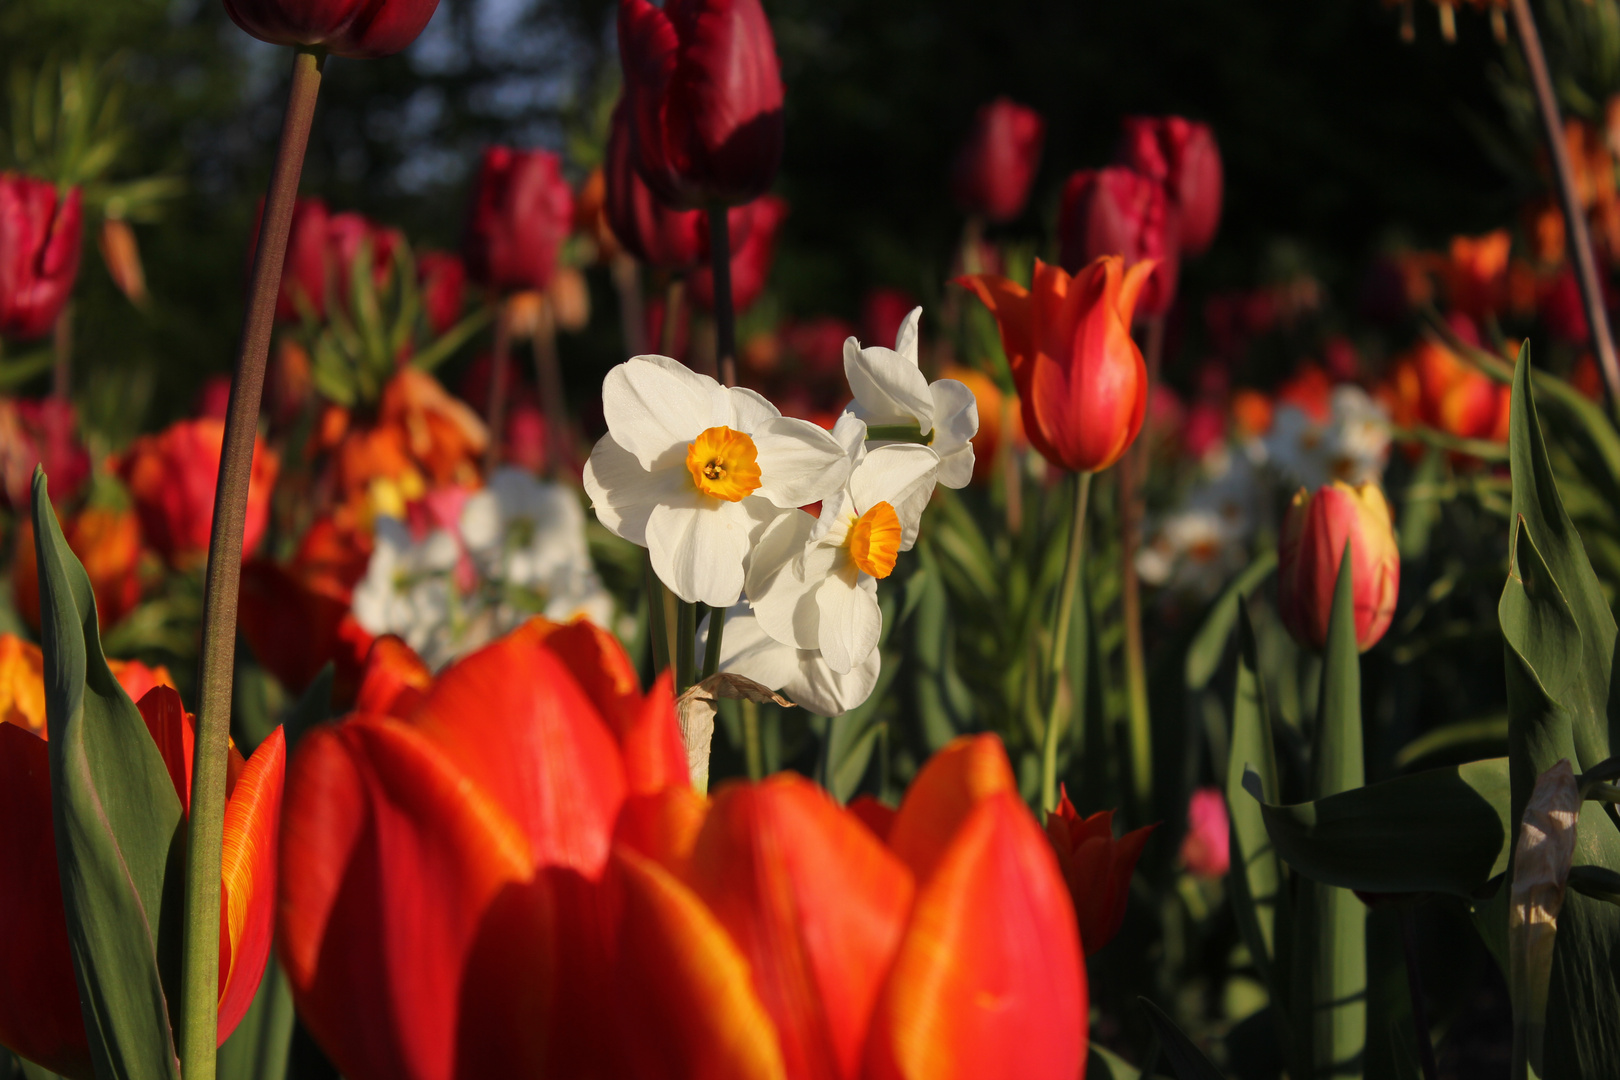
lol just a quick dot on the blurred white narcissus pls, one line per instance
(692, 470)
(891, 390)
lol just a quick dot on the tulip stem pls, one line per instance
(1577, 236)
(657, 624)
(559, 445)
(1072, 564)
(62, 348)
(674, 300)
(199, 971)
(496, 413)
(717, 631)
(725, 329)
(1132, 471)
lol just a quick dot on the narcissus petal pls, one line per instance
(946, 791)
(818, 907)
(989, 982)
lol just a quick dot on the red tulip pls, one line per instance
(442, 278)
(39, 998)
(661, 237)
(522, 212)
(1311, 550)
(703, 96)
(1118, 211)
(360, 28)
(756, 224)
(1206, 849)
(41, 431)
(1081, 380)
(346, 235)
(997, 164)
(172, 476)
(1097, 868)
(305, 273)
(40, 236)
(107, 542)
(1182, 155)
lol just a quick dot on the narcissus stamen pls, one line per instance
(724, 463)
(874, 540)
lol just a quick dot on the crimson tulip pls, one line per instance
(703, 92)
(522, 211)
(753, 229)
(39, 998)
(996, 166)
(442, 278)
(1119, 211)
(1097, 868)
(40, 235)
(304, 274)
(1082, 383)
(40, 431)
(172, 475)
(1182, 155)
(358, 28)
(660, 236)
(1311, 550)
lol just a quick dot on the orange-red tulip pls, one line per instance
(1081, 379)
(172, 476)
(39, 1000)
(107, 542)
(22, 682)
(1097, 868)
(1311, 549)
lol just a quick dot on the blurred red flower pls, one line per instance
(660, 236)
(40, 238)
(753, 228)
(522, 211)
(1182, 155)
(442, 277)
(996, 166)
(172, 476)
(1118, 211)
(359, 28)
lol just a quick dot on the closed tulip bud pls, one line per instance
(757, 224)
(1206, 850)
(172, 475)
(1118, 211)
(304, 273)
(122, 255)
(660, 236)
(703, 92)
(1082, 384)
(40, 235)
(522, 212)
(1182, 155)
(1096, 867)
(359, 28)
(442, 278)
(1311, 549)
(995, 167)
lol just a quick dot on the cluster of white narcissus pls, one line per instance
(466, 567)
(722, 491)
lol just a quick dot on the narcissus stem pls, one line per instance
(685, 646)
(496, 413)
(1072, 564)
(717, 631)
(1577, 236)
(657, 625)
(753, 748)
(725, 328)
(199, 964)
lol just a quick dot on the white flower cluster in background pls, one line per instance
(1351, 445)
(1200, 545)
(732, 499)
(505, 553)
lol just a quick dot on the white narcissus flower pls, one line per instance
(813, 581)
(802, 674)
(690, 470)
(891, 390)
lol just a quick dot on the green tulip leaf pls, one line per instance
(1188, 1062)
(1208, 648)
(117, 820)
(1255, 874)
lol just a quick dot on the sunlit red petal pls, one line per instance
(663, 826)
(875, 815)
(166, 719)
(946, 791)
(394, 681)
(248, 878)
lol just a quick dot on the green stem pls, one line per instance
(753, 750)
(657, 625)
(199, 966)
(1060, 640)
(685, 646)
(1131, 471)
(717, 630)
(900, 433)
(725, 323)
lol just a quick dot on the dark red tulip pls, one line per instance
(443, 280)
(704, 95)
(360, 28)
(304, 274)
(44, 432)
(522, 212)
(1118, 211)
(1182, 155)
(39, 253)
(753, 233)
(997, 164)
(661, 237)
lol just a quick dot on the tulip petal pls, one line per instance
(175, 736)
(663, 826)
(989, 982)
(816, 904)
(394, 681)
(513, 719)
(1013, 308)
(946, 791)
(248, 878)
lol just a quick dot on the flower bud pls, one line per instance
(122, 255)
(1117, 211)
(995, 167)
(1181, 155)
(522, 212)
(1312, 547)
(1096, 867)
(359, 28)
(660, 236)
(39, 254)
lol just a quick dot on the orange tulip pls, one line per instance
(172, 476)
(39, 999)
(22, 682)
(1097, 868)
(1080, 376)
(107, 542)
(1312, 548)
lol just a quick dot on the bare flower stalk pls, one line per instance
(199, 985)
(1073, 563)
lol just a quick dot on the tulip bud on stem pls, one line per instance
(496, 413)
(1060, 644)
(199, 974)
(1576, 234)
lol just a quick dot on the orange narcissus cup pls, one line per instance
(39, 998)
(1311, 549)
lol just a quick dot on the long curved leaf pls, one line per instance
(1255, 874)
